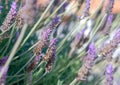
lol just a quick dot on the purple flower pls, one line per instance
(109, 75)
(3, 78)
(50, 55)
(109, 6)
(92, 50)
(108, 24)
(88, 63)
(45, 38)
(78, 37)
(1, 7)
(86, 10)
(55, 21)
(27, 13)
(116, 37)
(3, 60)
(110, 18)
(46, 35)
(53, 42)
(9, 18)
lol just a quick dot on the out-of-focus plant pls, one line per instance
(59, 42)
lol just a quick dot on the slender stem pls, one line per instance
(8, 44)
(34, 83)
(14, 49)
(55, 11)
(73, 82)
(38, 22)
(24, 66)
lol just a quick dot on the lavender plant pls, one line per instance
(55, 47)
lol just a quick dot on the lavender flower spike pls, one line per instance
(88, 63)
(86, 10)
(43, 42)
(1, 9)
(108, 24)
(50, 55)
(3, 78)
(110, 47)
(45, 37)
(9, 18)
(109, 6)
(109, 75)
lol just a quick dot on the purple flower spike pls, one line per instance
(3, 78)
(110, 18)
(1, 7)
(54, 41)
(110, 6)
(45, 38)
(46, 34)
(86, 10)
(3, 61)
(50, 55)
(9, 18)
(88, 63)
(56, 19)
(13, 8)
(92, 49)
(109, 75)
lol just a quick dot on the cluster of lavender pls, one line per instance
(3, 78)
(45, 38)
(27, 13)
(9, 18)
(43, 43)
(88, 63)
(108, 48)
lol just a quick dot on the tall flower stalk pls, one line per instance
(108, 49)
(45, 38)
(87, 65)
(50, 55)
(27, 13)
(9, 18)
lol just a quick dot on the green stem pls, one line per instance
(8, 44)
(74, 82)
(14, 49)
(24, 66)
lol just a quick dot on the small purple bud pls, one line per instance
(46, 34)
(3, 61)
(92, 50)
(110, 18)
(54, 41)
(56, 19)
(109, 69)
(109, 75)
(65, 5)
